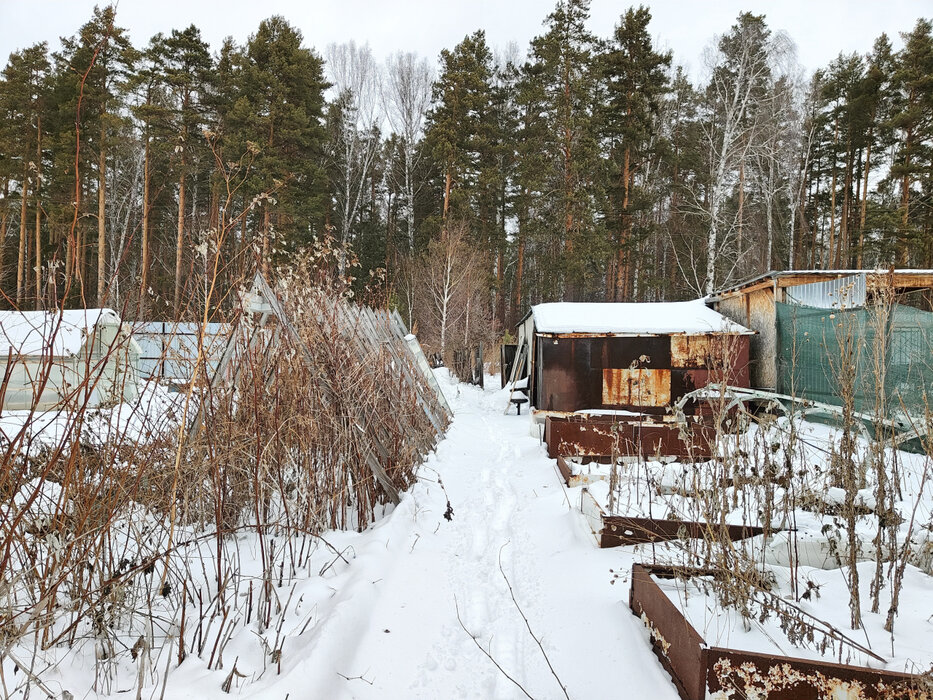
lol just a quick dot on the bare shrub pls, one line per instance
(127, 538)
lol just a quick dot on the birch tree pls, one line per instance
(739, 68)
(775, 156)
(354, 132)
(451, 279)
(406, 96)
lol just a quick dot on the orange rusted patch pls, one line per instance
(636, 387)
(690, 350)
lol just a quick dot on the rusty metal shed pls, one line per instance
(621, 357)
(753, 303)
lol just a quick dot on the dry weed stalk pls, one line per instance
(765, 471)
(111, 537)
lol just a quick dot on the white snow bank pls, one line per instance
(61, 332)
(642, 319)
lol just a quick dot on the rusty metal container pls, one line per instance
(601, 436)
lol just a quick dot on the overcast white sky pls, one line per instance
(820, 28)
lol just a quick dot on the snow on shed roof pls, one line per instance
(38, 332)
(656, 318)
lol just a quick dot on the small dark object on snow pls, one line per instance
(138, 647)
(166, 589)
(449, 513)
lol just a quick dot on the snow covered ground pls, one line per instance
(381, 619)
(385, 625)
(487, 553)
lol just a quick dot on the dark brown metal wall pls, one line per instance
(677, 644)
(570, 367)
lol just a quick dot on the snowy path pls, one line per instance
(386, 625)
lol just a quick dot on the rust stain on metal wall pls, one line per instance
(636, 387)
(571, 373)
(691, 350)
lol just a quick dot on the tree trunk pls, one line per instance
(38, 232)
(144, 266)
(769, 226)
(265, 239)
(814, 196)
(520, 265)
(390, 220)
(410, 196)
(905, 200)
(843, 244)
(831, 263)
(625, 234)
(179, 244)
(741, 213)
(500, 286)
(21, 260)
(101, 224)
(448, 179)
(4, 217)
(81, 255)
(861, 219)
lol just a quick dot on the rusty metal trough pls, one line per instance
(605, 435)
(572, 479)
(621, 530)
(700, 671)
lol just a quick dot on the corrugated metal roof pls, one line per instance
(847, 292)
(776, 274)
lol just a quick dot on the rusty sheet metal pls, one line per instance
(604, 436)
(678, 646)
(749, 674)
(700, 671)
(578, 373)
(692, 350)
(637, 387)
(622, 531)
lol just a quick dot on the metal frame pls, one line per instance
(737, 397)
(371, 331)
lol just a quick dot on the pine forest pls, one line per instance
(458, 189)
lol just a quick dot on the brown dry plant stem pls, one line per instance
(487, 654)
(847, 335)
(528, 626)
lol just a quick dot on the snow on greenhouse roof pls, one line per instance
(38, 332)
(658, 318)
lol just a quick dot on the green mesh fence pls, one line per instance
(821, 351)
